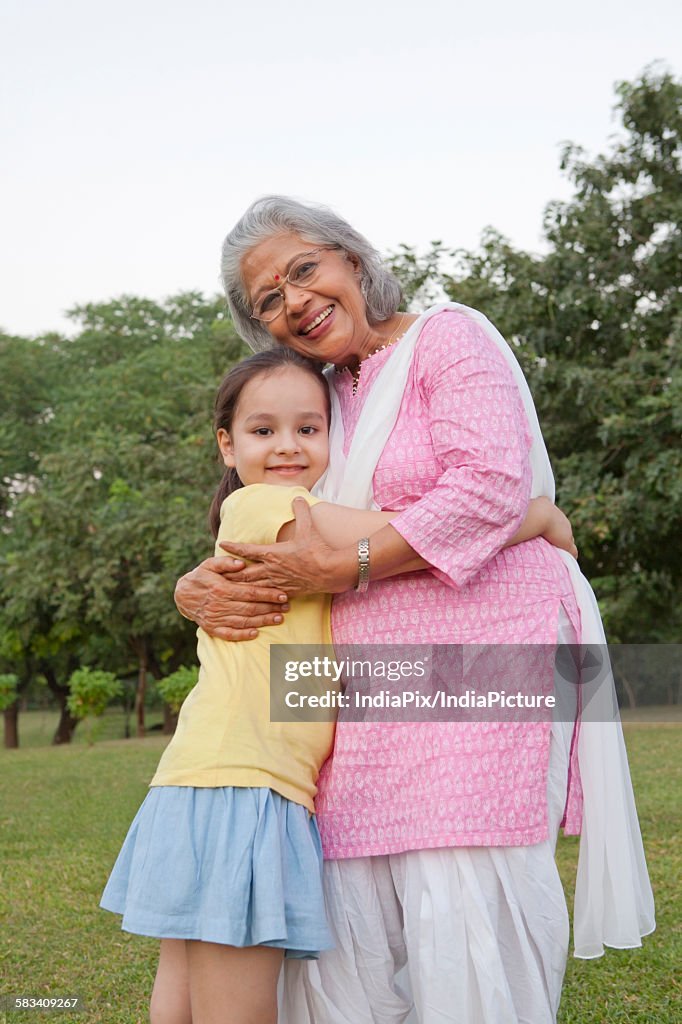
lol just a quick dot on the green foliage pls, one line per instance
(175, 687)
(8, 690)
(91, 691)
(419, 275)
(28, 370)
(108, 507)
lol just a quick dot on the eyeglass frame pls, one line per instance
(285, 280)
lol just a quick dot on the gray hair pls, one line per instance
(277, 215)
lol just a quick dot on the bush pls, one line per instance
(175, 687)
(91, 691)
(8, 690)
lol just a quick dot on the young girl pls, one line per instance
(223, 860)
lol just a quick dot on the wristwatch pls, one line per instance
(363, 565)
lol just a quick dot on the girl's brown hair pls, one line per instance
(227, 399)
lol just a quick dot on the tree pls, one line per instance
(29, 373)
(174, 688)
(596, 322)
(9, 699)
(90, 693)
(117, 508)
(31, 383)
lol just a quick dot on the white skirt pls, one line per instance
(461, 934)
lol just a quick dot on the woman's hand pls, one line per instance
(226, 608)
(306, 564)
(558, 530)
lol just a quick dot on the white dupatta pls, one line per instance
(613, 899)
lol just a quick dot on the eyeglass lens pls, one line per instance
(302, 273)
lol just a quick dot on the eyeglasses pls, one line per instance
(303, 272)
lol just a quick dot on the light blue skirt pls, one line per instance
(235, 865)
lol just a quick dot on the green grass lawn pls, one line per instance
(36, 728)
(65, 811)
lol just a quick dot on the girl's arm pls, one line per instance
(544, 519)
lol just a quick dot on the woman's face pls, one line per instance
(343, 335)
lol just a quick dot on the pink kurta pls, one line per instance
(456, 465)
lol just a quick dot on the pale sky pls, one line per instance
(135, 133)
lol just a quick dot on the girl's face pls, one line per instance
(280, 432)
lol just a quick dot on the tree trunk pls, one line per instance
(170, 720)
(11, 715)
(127, 707)
(67, 723)
(154, 666)
(629, 690)
(66, 726)
(141, 691)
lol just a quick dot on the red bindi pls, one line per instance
(277, 277)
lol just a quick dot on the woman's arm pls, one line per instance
(341, 527)
(233, 609)
(320, 545)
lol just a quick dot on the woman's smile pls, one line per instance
(315, 325)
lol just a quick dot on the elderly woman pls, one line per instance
(439, 836)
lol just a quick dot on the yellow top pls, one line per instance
(224, 735)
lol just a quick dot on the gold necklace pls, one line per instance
(393, 338)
